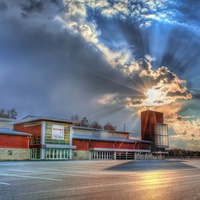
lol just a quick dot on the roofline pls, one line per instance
(112, 131)
(7, 119)
(151, 111)
(6, 131)
(87, 128)
(83, 137)
(96, 129)
(42, 118)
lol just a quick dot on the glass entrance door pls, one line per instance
(57, 154)
(35, 154)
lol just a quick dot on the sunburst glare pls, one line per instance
(155, 97)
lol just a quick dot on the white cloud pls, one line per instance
(121, 7)
(75, 8)
(107, 99)
(149, 58)
(98, 3)
(189, 129)
(109, 12)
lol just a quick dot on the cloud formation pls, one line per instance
(158, 87)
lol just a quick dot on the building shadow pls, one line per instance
(150, 165)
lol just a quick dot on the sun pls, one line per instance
(153, 94)
(155, 97)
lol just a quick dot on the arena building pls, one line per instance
(39, 137)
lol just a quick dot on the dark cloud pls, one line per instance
(144, 64)
(178, 94)
(3, 6)
(32, 5)
(53, 72)
(196, 94)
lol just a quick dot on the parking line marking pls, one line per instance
(2, 183)
(16, 170)
(33, 177)
(53, 173)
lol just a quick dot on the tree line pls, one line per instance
(11, 114)
(183, 153)
(84, 122)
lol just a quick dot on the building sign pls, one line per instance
(58, 132)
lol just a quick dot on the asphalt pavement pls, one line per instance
(100, 180)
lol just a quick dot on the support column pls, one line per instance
(42, 153)
(42, 150)
(135, 156)
(114, 155)
(70, 154)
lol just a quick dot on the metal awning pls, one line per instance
(58, 146)
(7, 131)
(121, 150)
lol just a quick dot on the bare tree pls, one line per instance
(96, 125)
(85, 122)
(12, 114)
(109, 126)
(75, 117)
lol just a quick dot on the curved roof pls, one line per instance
(111, 139)
(96, 129)
(41, 118)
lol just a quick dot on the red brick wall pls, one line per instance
(122, 145)
(12, 141)
(80, 144)
(83, 145)
(35, 130)
(101, 144)
(145, 146)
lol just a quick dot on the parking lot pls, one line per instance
(149, 179)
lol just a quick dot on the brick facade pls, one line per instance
(34, 129)
(14, 141)
(86, 145)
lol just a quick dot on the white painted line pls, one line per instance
(53, 173)
(2, 183)
(82, 171)
(16, 170)
(33, 177)
(65, 174)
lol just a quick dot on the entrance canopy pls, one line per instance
(122, 150)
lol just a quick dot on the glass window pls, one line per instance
(161, 136)
(36, 140)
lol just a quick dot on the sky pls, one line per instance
(108, 60)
